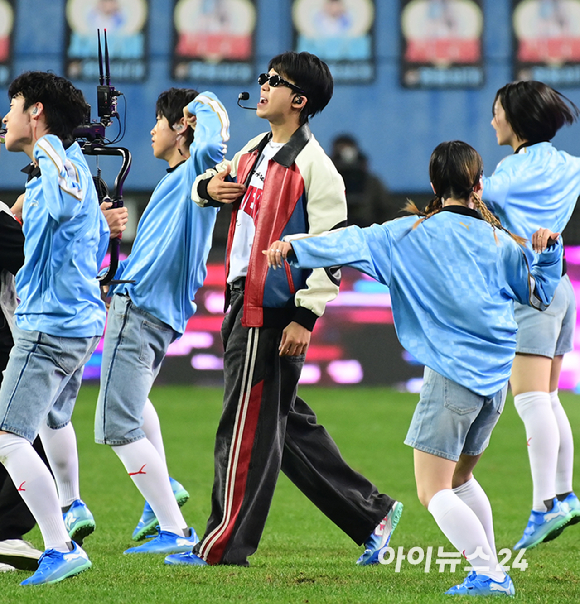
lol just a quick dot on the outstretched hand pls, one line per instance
(225, 192)
(542, 239)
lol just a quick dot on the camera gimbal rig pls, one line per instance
(91, 137)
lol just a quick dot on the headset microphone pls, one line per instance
(244, 96)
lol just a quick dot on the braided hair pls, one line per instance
(455, 169)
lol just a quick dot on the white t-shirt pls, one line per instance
(248, 215)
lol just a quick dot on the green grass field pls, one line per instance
(303, 557)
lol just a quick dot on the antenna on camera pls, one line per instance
(101, 77)
(91, 136)
(107, 66)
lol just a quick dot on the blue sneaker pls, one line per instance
(166, 543)
(574, 512)
(482, 585)
(55, 566)
(79, 521)
(185, 559)
(381, 536)
(148, 524)
(545, 526)
(574, 504)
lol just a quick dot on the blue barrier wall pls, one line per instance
(397, 128)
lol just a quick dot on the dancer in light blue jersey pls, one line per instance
(453, 276)
(60, 317)
(538, 186)
(166, 267)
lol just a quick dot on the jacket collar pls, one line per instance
(170, 170)
(463, 210)
(32, 170)
(287, 155)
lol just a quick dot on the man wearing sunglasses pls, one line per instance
(281, 183)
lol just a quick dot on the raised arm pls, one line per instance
(210, 122)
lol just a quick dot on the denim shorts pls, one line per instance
(134, 347)
(549, 333)
(42, 381)
(451, 420)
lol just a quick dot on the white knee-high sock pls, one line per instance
(60, 447)
(149, 474)
(474, 496)
(152, 429)
(543, 436)
(36, 486)
(565, 466)
(465, 532)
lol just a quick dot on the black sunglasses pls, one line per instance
(276, 80)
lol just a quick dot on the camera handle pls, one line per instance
(96, 147)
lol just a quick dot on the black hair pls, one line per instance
(170, 105)
(64, 105)
(534, 110)
(310, 74)
(454, 170)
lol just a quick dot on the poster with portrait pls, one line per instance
(340, 32)
(126, 25)
(6, 35)
(441, 44)
(214, 40)
(547, 41)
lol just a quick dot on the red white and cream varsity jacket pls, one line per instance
(303, 193)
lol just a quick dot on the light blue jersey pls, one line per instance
(452, 287)
(536, 187)
(168, 258)
(66, 238)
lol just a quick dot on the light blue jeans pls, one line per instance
(451, 420)
(42, 381)
(134, 347)
(551, 332)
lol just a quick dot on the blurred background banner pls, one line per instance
(126, 22)
(547, 41)
(214, 40)
(441, 44)
(341, 33)
(6, 31)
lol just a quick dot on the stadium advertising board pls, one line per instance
(126, 24)
(214, 40)
(441, 44)
(341, 33)
(547, 41)
(6, 34)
